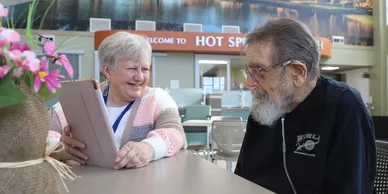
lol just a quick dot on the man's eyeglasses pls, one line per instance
(254, 72)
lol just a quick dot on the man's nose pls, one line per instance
(250, 82)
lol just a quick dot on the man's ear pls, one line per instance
(299, 73)
(106, 71)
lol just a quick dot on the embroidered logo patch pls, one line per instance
(306, 143)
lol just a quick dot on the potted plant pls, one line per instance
(25, 85)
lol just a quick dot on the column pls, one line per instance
(153, 76)
(378, 79)
(228, 75)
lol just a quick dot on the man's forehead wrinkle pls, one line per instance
(258, 56)
(256, 64)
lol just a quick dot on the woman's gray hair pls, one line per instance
(123, 46)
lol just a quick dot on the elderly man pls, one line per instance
(306, 133)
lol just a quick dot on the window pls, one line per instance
(74, 61)
(213, 83)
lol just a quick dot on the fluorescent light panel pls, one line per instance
(215, 62)
(329, 68)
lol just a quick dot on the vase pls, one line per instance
(23, 134)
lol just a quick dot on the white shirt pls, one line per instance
(113, 113)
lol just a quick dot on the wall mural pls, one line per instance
(326, 18)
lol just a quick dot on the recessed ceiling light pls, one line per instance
(329, 68)
(215, 62)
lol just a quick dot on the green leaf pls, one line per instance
(66, 40)
(29, 79)
(45, 93)
(8, 25)
(29, 22)
(10, 93)
(44, 15)
(20, 16)
(12, 15)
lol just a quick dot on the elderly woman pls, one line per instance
(145, 120)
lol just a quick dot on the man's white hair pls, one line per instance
(123, 46)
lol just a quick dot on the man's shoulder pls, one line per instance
(341, 92)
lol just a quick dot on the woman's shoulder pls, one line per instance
(157, 91)
(162, 97)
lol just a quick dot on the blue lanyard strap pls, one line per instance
(117, 122)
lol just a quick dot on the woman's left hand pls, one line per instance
(134, 154)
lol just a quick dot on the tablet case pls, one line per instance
(85, 112)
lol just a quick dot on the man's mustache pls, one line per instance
(259, 94)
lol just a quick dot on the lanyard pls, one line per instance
(117, 122)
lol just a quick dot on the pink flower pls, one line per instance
(4, 70)
(16, 50)
(27, 59)
(63, 60)
(3, 11)
(20, 47)
(8, 36)
(49, 49)
(50, 78)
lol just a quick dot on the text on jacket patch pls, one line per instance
(305, 144)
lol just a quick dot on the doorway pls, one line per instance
(215, 73)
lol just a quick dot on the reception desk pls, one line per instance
(184, 173)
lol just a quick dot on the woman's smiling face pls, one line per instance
(129, 78)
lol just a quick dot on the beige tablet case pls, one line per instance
(85, 112)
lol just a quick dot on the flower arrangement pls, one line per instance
(19, 63)
(25, 82)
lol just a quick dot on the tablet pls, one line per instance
(83, 106)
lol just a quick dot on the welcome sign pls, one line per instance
(198, 42)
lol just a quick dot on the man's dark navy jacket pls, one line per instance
(330, 145)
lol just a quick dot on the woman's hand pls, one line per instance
(71, 154)
(134, 154)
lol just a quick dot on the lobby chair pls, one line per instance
(197, 112)
(227, 137)
(381, 180)
(208, 151)
(197, 140)
(221, 118)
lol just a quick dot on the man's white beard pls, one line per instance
(267, 111)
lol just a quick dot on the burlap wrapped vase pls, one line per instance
(23, 133)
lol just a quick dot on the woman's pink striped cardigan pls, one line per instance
(154, 115)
